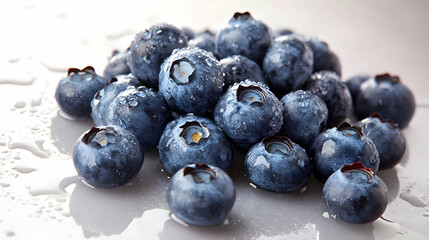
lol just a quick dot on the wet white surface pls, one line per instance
(40, 194)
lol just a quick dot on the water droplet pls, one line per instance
(122, 100)
(133, 101)
(147, 35)
(146, 59)
(158, 32)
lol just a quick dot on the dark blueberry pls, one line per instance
(107, 156)
(238, 68)
(117, 65)
(282, 32)
(304, 116)
(205, 40)
(243, 35)
(339, 146)
(191, 80)
(324, 58)
(189, 33)
(288, 64)
(386, 95)
(387, 138)
(143, 112)
(193, 139)
(355, 195)
(149, 50)
(277, 164)
(328, 86)
(75, 92)
(201, 195)
(247, 112)
(353, 84)
(103, 98)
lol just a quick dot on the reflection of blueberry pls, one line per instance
(304, 116)
(103, 98)
(336, 95)
(150, 48)
(143, 112)
(107, 157)
(191, 80)
(277, 164)
(193, 139)
(205, 40)
(355, 195)
(117, 65)
(288, 64)
(387, 138)
(243, 35)
(238, 68)
(386, 95)
(75, 92)
(201, 195)
(339, 146)
(247, 112)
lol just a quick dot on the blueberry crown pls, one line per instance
(192, 132)
(202, 173)
(101, 136)
(87, 69)
(182, 71)
(244, 15)
(274, 144)
(357, 166)
(347, 127)
(377, 115)
(252, 95)
(387, 77)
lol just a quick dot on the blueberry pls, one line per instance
(193, 139)
(353, 84)
(75, 92)
(328, 86)
(103, 98)
(247, 112)
(386, 95)
(117, 65)
(288, 64)
(150, 48)
(277, 164)
(243, 35)
(205, 40)
(143, 112)
(201, 195)
(305, 115)
(339, 146)
(107, 156)
(324, 58)
(387, 138)
(238, 68)
(189, 33)
(191, 81)
(355, 195)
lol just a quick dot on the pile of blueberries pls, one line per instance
(276, 95)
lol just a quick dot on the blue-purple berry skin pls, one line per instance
(355, 195)
(387, 137)
(387, 95)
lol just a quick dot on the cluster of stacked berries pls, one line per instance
(277, 95)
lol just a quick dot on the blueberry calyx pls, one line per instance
(86, 73)
(357, 166)
(201, 173)
(387, 77)
(245, 15)
(350, 130)
(182, 70)
(112, 80)
(377, 115)
(101, 136)
(251, 95)
(193, 132)
(274, 144)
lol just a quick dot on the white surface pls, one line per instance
(40, 195)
